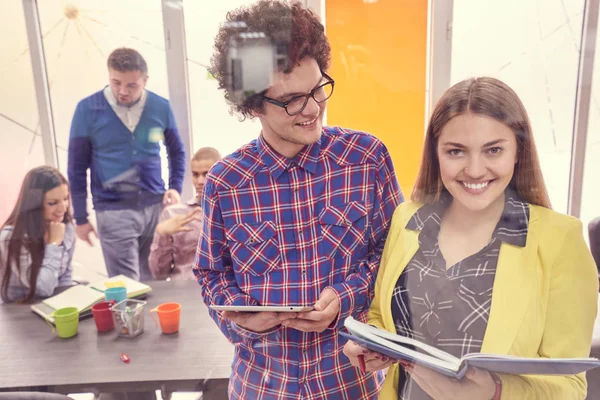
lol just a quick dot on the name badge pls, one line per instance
(156, 135)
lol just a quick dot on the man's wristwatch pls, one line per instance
(498, 382)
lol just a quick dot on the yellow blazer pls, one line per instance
(543, 304)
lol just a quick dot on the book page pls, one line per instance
(425, 358)
(78, 296)
(490, 356)
(357, 328)
(43, 311)
(526, 366)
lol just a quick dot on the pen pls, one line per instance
(361, 364)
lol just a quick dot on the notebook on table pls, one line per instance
(83, 297)
(403, 348)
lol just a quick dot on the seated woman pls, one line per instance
(176, 236)
(478, 262)
(38, 238)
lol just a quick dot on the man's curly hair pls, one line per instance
(294, 28)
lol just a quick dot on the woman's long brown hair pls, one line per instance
(494, 99)
(29, 227)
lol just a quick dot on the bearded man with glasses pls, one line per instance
(297, 217)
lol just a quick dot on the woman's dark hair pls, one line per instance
(29, 227)
(295, 30)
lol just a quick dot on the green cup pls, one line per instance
(66, 321)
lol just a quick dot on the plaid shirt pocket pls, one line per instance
(343, 229)
(254, 247)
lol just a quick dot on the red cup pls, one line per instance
(103, 316)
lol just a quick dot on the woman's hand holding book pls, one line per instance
(371, 360)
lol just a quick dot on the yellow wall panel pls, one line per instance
(378, 63)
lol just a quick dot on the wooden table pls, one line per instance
(196, 358)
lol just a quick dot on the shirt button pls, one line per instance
(300, 232)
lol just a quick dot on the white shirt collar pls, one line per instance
(112, 100)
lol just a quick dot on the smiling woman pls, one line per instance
(38, 238)
(478, 262)
(477, 160)
(489, 112)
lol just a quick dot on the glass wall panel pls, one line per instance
(212, 124)
(533, 46)
(20, 141)
(590, 203)
(78, 37)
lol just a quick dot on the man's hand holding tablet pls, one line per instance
(260, 318)
(326, 311)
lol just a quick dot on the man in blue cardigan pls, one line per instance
(116, 134)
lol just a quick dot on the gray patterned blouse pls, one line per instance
(449, 308)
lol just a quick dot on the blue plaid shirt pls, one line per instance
(278, 232)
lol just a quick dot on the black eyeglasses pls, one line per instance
(295, 105)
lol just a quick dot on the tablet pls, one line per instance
(263, 308)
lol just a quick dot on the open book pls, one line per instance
(83, 297)
(403, 348)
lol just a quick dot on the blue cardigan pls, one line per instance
(125, 166)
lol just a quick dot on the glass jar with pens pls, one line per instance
(129, 317)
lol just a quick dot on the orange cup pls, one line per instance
(169, 315)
